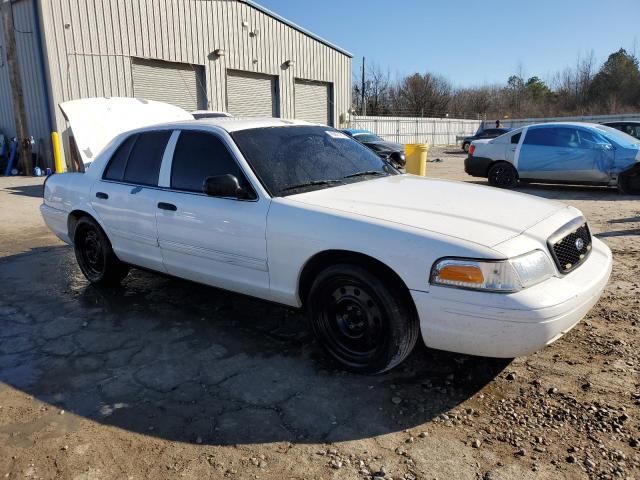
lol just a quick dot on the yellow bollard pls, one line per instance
(57, 154)
(417, 158)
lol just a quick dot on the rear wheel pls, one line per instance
(95, 256)
(465, 146)
(503, 175)
(363, 321)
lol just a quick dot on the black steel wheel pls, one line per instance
(95, 256)
(361, 320)
(503, 175)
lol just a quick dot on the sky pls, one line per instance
(470, 42)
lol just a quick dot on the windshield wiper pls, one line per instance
(368, 172)
(310, 184)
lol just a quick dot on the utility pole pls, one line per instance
(17, 92)
(363, 108)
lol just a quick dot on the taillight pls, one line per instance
(472, 149)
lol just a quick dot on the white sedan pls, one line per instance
(302, 215)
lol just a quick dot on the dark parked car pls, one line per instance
(481, 134)
(630, 128)
(391, 151)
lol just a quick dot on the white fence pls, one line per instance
(447, 131)
(434, 131)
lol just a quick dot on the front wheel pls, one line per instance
(364, 322)
(503, 175)
(95, 256)
(465, 147)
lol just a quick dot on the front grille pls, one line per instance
(571, 246)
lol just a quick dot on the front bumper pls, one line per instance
(512, 325)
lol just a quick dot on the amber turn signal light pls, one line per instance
(461, 273)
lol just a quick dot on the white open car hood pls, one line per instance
(97, 121)
(483, 215)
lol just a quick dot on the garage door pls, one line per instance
(180, 84)
(313, 102)
(252, 95)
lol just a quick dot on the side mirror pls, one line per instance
(225, 186)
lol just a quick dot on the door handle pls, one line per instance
(167, 206)
(102, 195)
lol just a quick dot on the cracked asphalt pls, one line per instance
(164, 378)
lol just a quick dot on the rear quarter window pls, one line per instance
(143, 165)
(118, 162)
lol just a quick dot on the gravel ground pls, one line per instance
(164, 379)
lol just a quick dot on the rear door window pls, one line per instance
(516, 138)
(199, 155)
(539, 136)
(143, 166)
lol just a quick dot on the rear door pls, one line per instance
(125, 198)
(216, 241)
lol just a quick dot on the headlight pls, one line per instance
(504, 276)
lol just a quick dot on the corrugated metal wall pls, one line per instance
(90, 44)
(28, 50)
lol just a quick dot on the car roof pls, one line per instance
(559, 124)
(234, 124)
(356, 131)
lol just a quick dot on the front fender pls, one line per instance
(297, 233)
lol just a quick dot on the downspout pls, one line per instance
(44, 66)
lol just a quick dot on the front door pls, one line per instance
(217, 241)
(125, 198)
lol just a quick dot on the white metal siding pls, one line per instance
(176, 83)
(251, 95)
(313, 102)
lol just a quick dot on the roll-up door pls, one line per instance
(180, 84)
(251, 94)
(313, 102)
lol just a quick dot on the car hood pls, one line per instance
(97, 121)
(479, 214)
(386, 146)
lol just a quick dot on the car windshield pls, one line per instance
(367, 137)
(295, 159)
(618, 137)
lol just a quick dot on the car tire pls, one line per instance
(629, 182)
(503, 175)
(465, 147)
(95, 256)
(361, 319)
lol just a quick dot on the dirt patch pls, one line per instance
(163, 378)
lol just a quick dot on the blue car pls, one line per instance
(570, 153)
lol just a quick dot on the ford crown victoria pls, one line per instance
(305, 216)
